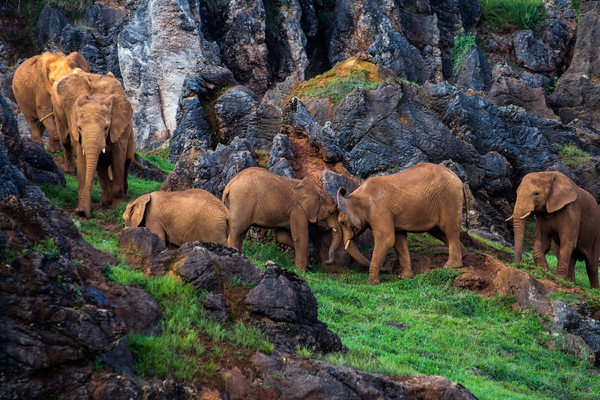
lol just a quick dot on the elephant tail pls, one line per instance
(466, 208)
(226, 198)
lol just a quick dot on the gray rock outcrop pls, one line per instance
(474, 72)
(507, 91)
(49, 28)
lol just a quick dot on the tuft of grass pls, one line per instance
(462, 45)
(573, 156)
(304, 351)
(337, 83)
(160, 158)
(48, 248)
(511, 14)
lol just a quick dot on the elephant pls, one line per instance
(180, 217)
(93, 114)
(32, 86)
(423, 198)
(564, 213)
(256, 196)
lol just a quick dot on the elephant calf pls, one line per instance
(423, 198)
(258, 197)
(180, 217)
(565, 214)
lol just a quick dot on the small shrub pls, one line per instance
(521, 14)
(551, 86)
(573, 156)
(462, 45)
(48, 248)
(304, 351)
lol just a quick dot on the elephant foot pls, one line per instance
(373, 281)
(69, 169)
(452, 266)
(406, 275)
(329, 262)
(54, 146)
(105, 200)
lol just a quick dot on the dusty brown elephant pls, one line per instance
(258, 197)
(423, 198)
(32, 85)
(565, 214)
(180, 217)
(93, 114)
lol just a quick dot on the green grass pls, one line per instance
(481, 343)
(48, 248)
(511, 14)
(462, 45)
(573, 156)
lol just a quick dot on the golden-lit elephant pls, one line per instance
(564, 213)
(180, 217)
(422, 198)
(258, 197)
(32, 85)
(93, 114)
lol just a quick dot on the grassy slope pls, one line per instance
(481, 343)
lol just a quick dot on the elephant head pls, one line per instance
(320, 208)
(352, 225)
(539, 192)
(97, 113)
(57, 65)
(134, 213)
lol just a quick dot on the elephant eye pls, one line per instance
(536, 194)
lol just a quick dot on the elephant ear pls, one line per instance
(76, 60)
(47, 59)
(134, 213)
(121, 115)
(562, 193)
(307, 193)
(346, 207)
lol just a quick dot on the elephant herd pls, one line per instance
(91, 113)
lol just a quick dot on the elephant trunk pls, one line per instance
(91, 162)
(335, 243)
(519, 216)
(355, 253)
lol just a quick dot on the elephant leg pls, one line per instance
(238, 229)
(102, 169)
(456, 250)
(541, 247)
(37, 130)
(299, 230)
(384, 240)
(401, 248)
(564, 258)
(69, 159)
(284, 236)
(571, 271)
(591, 267)
(53, 142)
(156, 228)
(118, 176)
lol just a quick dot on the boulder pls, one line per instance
(507, 91)
(49, 28)
(102, 18)
(474, 72)
(157, 49)
(282, 158)
(529, 292)
(533, 55)
(210, 170)
(332, 181)
(89, 44)
(149, 172)
(568, 319)
(234, 110)
(577, 93)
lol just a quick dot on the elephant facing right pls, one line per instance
(565, 214)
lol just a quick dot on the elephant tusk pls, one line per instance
(334, 230)
(104, 149)
(83, 152)
(508, 219)
(347, 244)
(526, 215)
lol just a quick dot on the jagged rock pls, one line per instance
(266, 122)
(474, 72)
(28, 157)
(88, 44)
(49, 28)
(295, 60)
(150, 173)
(573, 345)
(529, 292)
(210, 170)
(102, 18)
(577, 93)
(216, 304)
(535, 80)
(300, 379)
(234, 110)
(198, 269)
(391, 50)
(390, 126)
(13, 182)
(532, 54)
(331, 182)
(507, 91)
(282, 296)
(140, 246)
(572, 322)
(158, 48)
(283, 157)
(322, 138)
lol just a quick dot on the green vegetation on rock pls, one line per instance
(462, 45)
(573, 156)
(511, 14)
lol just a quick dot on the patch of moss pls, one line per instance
(573, 156)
